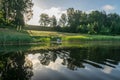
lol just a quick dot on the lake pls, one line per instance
(78, 61)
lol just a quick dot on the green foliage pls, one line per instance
(40, 39)
(73, 18)
(53, 21)
(44, 20)
(91, 28)
(47, 21)
(63, 20)
(82, 29)
(2, 21)
(105, 30)
(13, 11)
(96, 22)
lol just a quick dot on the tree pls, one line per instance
(83, 18)
(24, 7)
(2, 21)
(70, 15)
(114, 23)
(53, 21)
(19, 20)
(63, 20)
(73, 18)
(44, 20)
(13, 8)
(99, 18)
(82, 28)
(91, 28)
(0, 4)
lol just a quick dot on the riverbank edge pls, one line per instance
(12, 37)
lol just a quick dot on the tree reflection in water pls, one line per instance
(50, 56)
(75, 58)
(15, 67)
(46, 58)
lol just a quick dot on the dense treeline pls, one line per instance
(15, 12)
(96, 22)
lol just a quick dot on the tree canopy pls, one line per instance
(46, 21)
(96, 22)
(16, 11)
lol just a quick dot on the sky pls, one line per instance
(57, 7)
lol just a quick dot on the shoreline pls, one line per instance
(26, 37)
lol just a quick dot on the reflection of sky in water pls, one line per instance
(107, 69)
(57, 71)
(118, 67)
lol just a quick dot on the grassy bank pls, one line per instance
(8, 36)
(74, 37)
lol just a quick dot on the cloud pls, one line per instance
(89, 11)
(54, 11)
(37, 11)
(108, 7)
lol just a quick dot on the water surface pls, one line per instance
(94, 62)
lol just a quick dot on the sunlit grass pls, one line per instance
(8, 36)
(50, 33)
(42, 33)
(73, 36)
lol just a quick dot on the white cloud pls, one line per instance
(108, 7)
(89, 11)
(52, 11)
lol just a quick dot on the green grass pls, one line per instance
(73, 36)
(92, 38)
(9, 36)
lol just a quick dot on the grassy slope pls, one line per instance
(8, 36)
(74, 36)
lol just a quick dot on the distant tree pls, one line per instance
(77, 17)
(114, 23)
(44, 20)
(82, 28)
(53, 21)
(73, 18)
(83, 18)
(63, 20)
(91, 28)
(98, 18)
(70, 15)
